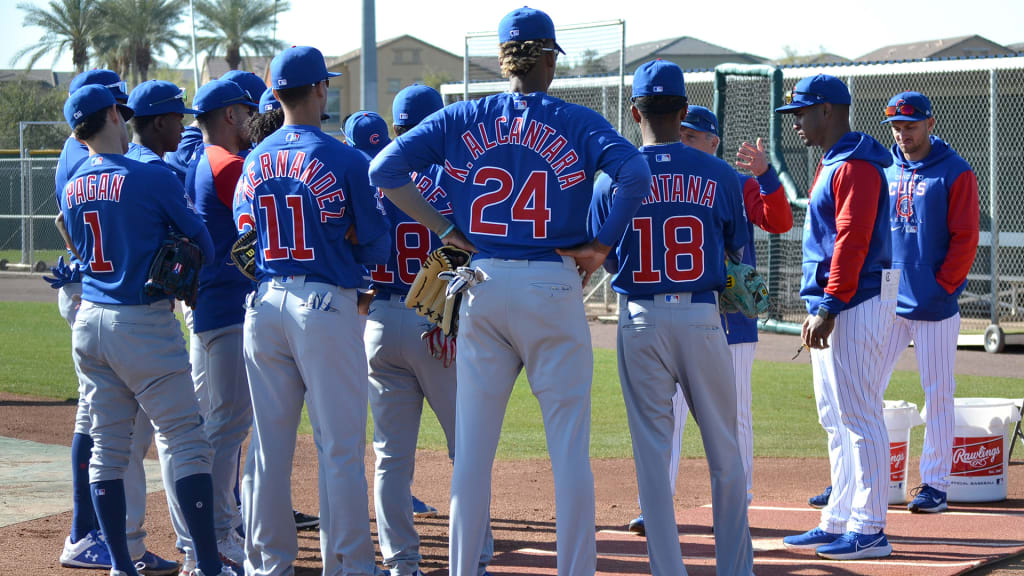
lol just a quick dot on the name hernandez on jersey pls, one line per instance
(676, 241)
(412, 242)
(520, 169)
(118, 211)
(302, 190)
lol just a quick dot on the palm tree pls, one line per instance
(238, 26)
(134, 31)
(67, 25)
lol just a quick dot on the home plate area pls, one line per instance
(954, 542)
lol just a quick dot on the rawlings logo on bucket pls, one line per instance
(898, 461)
(978, 456)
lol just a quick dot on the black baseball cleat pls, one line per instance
(305, 521)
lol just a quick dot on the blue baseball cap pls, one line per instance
(268, 101)
(89, 99)
(251, 83)
(525, 24)
(414, 103)
(367, 131)
(298, 66)
(701, 119)
(218, 94)
(156, 97)
(910, 106)
(815, 90)
(101, 77)
(658, 78)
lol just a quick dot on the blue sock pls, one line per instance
(83, 519)
(108, 500)
(195, 495)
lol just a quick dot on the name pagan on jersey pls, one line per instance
(478, 140)
(93, 187)
(294, 165)
(682, 188)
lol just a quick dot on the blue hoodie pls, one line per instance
(846, 237)
(933, 219)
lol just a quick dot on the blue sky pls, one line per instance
(759, 27)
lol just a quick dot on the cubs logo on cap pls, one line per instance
(367, 131)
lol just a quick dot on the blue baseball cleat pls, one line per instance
(810, 540)
(89, 552)
(927, 500)
(636, 526)
(421, 509)
(856, 546)
(152, 565)
(821, 500)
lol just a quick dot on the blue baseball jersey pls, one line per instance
(933, 217)
(676, 241)
(143, 154)
(179, 160)
(302, 190)
(222, 286)
(846, 242)
(71, 157)
(520, 169)
(411, 241)
(118, 213)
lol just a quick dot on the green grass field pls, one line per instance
(37, 361)
(48, 256)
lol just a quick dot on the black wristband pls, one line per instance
(825, 314)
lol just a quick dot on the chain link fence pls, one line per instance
(979, 106)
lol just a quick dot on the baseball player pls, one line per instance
(520, 167)
(847, 248)
(933, 216)
(127, 344)
(316, 218)
(84, 548)
(403, 371)
(668, 267)
(766, 206)
(223, 111)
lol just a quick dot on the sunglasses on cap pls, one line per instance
(814, 96)
(122, 86)
(902, 110)
(179, 96)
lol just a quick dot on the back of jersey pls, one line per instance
(118, 211)
(677, 239)
(304, 190)
(521, 169)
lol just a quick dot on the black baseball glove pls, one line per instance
(175, 270)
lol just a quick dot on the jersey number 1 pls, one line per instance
(274, 250)
(692, 249)
(99, 263)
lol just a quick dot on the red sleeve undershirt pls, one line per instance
(855, 188)
(769, 211)
(226, 168)
(962, 221)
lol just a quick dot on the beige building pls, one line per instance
(973, 46)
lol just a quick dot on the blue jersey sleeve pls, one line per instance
(183, 217)
(368, 213)
(734, 224)
(600, 207)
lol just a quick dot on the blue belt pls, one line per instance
(702, 297)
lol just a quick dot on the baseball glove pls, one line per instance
(243, 254)
(428, 294)
(745, 291)
(175, 270)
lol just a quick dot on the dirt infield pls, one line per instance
(523, 511)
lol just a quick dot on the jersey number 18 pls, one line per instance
(691, 249)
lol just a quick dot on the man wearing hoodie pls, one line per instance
(933, 217)
(847, 250)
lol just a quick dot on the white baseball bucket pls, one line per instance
(900, 417)
(980, 447)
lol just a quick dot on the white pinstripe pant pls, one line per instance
(742, 364)
(849, 388)
(935, 348)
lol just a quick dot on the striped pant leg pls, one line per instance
(935, 344)
(743, 364)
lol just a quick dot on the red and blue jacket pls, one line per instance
(767, 207)
(847, 242)
(933, 218)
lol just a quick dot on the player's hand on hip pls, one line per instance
(752, 158)
(816, 330)
(458, 239)
(589, 257)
